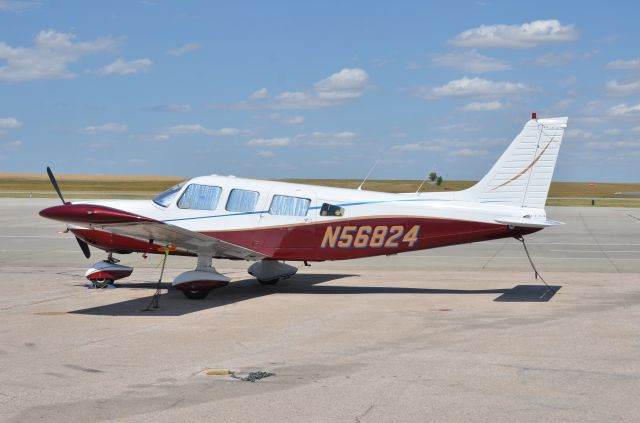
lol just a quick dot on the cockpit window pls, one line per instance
(165, 198)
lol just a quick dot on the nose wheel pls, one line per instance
(105, 272)
(101, 282)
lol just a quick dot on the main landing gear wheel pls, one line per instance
(101, 283)
(269, 282)
(196, 294)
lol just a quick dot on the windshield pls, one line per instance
(165, 198)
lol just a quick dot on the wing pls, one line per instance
(166, 234)
(127, 224)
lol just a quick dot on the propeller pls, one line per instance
(83, 245)
(55, 184)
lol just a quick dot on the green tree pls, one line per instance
(439, 181)
(432, 176)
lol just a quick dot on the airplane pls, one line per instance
(271, 223)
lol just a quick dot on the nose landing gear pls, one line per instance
(106, 272)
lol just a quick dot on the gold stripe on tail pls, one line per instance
(529, 166)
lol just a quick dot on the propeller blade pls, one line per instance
(55, 184)
(84, 247)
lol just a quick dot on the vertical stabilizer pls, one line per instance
(522, 175)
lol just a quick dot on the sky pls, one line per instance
(291, 89)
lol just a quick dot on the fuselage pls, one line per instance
(286, 221)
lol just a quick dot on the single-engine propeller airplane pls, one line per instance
(269, 223)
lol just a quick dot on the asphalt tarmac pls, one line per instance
(454, 334)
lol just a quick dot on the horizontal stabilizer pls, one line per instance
(528, 222)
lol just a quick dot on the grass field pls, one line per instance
(97, 186)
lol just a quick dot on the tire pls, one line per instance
(196, 294)
(269, 282)
(101, 283)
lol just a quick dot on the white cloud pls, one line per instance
(107, 127)
(467, 152)
(49, 57)
(283, 118)
(557, 59)
(476, 106)
(13, 145)
(262, 93)
(473, 87)
(458, 127)
(294, 120)
(470, 61)
(563, 104)
(122, 67)
(526, 35)
(18, 6)
(172, 108)
(623, 88)
(613, 131)
(577, 133)
(265, 153)
(196, 129)
(343, 85)
(226, 132)
(420, 146)
(338, 88)
(624, 64)
(270, 142)
(187, 48)
(10, 123)
(343, 138)
(442, 144)
(607, 145)
(622, 110)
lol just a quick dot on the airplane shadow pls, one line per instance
(173, 303)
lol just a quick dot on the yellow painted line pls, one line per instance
(50, 313)
(218, 372)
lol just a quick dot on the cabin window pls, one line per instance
(200, 197)
(283, 205)
(331, 210)
(165, 198)
(241, 200)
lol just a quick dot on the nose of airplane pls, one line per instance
(89, 213)
(56, 212)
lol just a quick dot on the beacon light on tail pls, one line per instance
(268, 223)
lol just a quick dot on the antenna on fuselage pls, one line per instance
(368, 173)
(424, 181)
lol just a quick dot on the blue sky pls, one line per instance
(323, 90)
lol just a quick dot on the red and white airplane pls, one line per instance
(269, 223)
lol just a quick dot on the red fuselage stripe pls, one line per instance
(349, 239)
